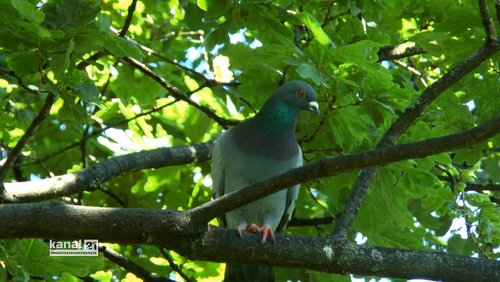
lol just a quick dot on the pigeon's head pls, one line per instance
(298, 95)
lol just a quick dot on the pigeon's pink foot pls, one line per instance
(266, 231)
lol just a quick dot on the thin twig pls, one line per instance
(19, 81)
(450, 177)
(323, 120)
(178, 94)
(131, 266)
(173, 265)
(100, 131)
(315, 199)
(130, 12)
(113, 196)
(328, 20)
(128, 20)
(14, 153)
(412, 70)
(468, 226)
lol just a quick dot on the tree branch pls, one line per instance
(128, 20)
(100, 131)
(177, 93)
(14, 153)
(92, 177)
(404, 121)
(172, 264)
(489, 26)
(130, 266)
(482, 187)
(171, 229)
(335, 165)
(310, 221)
(403, 50)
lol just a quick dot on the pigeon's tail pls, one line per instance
(248, 273)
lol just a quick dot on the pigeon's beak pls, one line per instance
(314, 107)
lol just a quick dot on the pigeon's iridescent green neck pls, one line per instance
(277, 119)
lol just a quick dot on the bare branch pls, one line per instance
(172, 230)
(14, 153)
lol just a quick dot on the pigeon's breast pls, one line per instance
(277, 147)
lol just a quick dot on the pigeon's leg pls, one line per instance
(266, 231)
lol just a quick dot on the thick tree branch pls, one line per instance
(92, 177)
(404, 121)
(310, 221)
(14, 153)
(170, 229)
(335, 165)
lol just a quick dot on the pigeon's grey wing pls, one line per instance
(218, 169)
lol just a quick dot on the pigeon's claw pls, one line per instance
(266, 231)
(238, 230)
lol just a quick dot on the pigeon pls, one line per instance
(257, 149)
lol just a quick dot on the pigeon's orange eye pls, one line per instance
(301, 93)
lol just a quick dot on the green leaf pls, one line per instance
(87, 91)
(32, 255)
(127, 47)
(28, 10)
(23, 62)
(202, 4)
(71, 14)
(312, 24)
(460, 246)
(307, 70)
(60, 63)
(469, 156)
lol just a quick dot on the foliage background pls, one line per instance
(228, 57)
